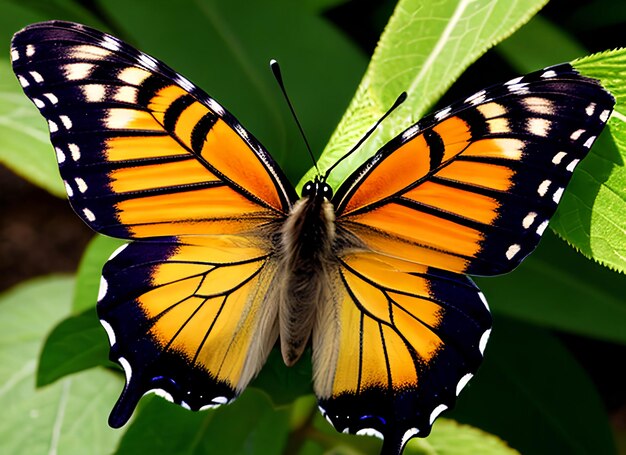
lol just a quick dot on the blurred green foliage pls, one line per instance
(56, 383)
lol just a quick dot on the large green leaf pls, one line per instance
(533, 394)
(65, 418)
(558, 288)
(423, 50)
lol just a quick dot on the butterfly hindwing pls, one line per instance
(471, 188)
(409, 338)
(142, 151)
(187, 319)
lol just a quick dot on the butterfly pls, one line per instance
(224, 260)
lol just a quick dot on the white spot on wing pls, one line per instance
(589, 110)
(483, 299)
(589, 142)
(529, 220)
(110, 43)
(538, 126)
(89, 215)
(15, 55)
(161, 393)
(370, 432)
(482, 344)
(60, 155)
(542, 227)
(408, 435)
(480, 94)
(118, 251)
(443, 113)
(220, 400)
(512, 251)
(548, 74)
(128, 371)
(80, 183)
(558, 157)
(215, 107)
(30, 50)
(518, 88)
(184, 404)
(148, 61)
(52, 126)
(604, 116)
(463, 382)
(437, 412)
(102, 290)
(23, 82)
(514, 81)
(542, 189)
(67, 123)
(36, 76)
(51, 97)
(571, 166)
(40, 104)
(576, 134)
(109, 330)
(558, 194)
(68, 189)
(208, 406)
(75, 151)
(184, 83)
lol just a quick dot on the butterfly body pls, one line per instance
(223, 259)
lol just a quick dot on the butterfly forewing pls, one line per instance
(146, 155)
(471, 188)
(142, 151)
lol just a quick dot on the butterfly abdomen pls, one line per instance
(306, 258)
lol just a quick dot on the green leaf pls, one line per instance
(78, 343)
(250, 425)
(533, 394)
(285, 384)
(224, 46)
(90, 270)
(24, 141)
(592, 213)
(65, 418)
(526, 51)
(423, 50)
(451, 438)
(558, 288)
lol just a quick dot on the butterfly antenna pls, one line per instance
(279, 78)
(369, 132)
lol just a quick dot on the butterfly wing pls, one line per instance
(468, 190)
(471, 188)
(142, 151)
(146, 155)
(408, 339)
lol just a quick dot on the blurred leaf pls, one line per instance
(285, 384)
(534, 395)
(451, 438)
(250, 425)
(78, 343)
(90, 270)
(65, 418)
(596, 14)
(225, 47)
(423, 50)
(558, 288)
(24, 141)
(526, 49)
